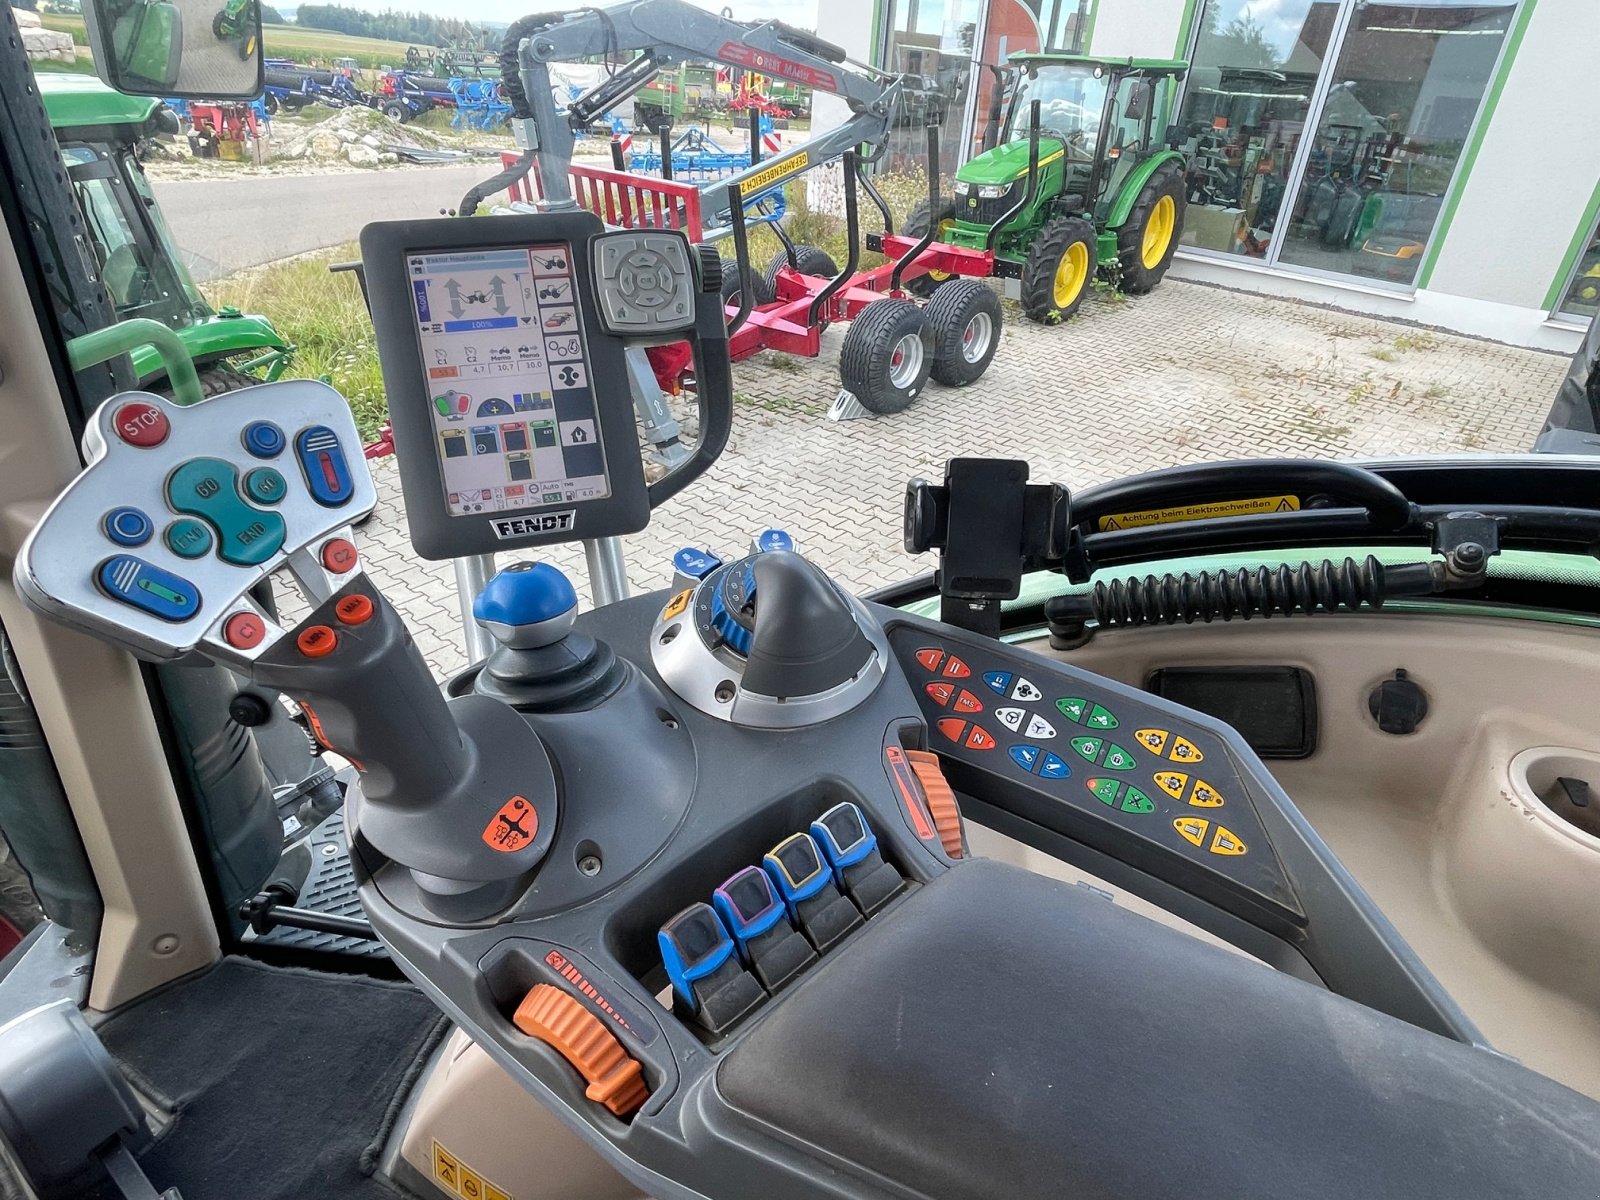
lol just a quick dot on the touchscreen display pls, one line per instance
(513, 414)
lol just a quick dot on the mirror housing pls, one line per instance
(1139, 100)
(184, 49)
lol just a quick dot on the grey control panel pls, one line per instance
(182, 510)
(646, 285)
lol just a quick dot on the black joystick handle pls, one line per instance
(460, 791)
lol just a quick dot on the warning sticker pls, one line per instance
(1199, 512)
(513, 827)
(461, 1180)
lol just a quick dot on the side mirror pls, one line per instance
(1139, 101)
(185, 49)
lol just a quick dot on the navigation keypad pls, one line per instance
(646, 284)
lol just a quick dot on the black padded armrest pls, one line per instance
(1008, 1036)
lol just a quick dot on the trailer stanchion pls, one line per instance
(911, 255)
(741, 259)
(1032, 188)
(852, 225)
(666, 152)
(755, 136)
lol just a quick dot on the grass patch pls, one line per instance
(281, 41)
(1435, 391)
(1382, 354)
(323, 315)
(1416, 341)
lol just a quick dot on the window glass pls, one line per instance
(931, 40)
(1405, 92)
(1582, 297)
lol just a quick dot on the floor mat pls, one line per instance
(285, 1081)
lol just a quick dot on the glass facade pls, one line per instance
(1581, 296)
(1324, 134)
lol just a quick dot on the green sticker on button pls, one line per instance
(265, 486)
(1072, 707)
(206, 487)
(1089, 747)
(1119, 759)
(1105, 790)
(1137, 802)
(1101, 718)
(188, 538)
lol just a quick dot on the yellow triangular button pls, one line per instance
(1192, 829)
(1172, 783)
(1225, 842)
(1205, 796)
(1154, 740)
(1185, 751)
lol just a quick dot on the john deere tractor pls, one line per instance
(1092, 186)
(100, 132)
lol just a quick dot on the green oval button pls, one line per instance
(265, 485)
(188, 539)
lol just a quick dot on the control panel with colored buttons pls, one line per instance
(182, 510)
(1132, 775)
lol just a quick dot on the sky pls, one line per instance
(802, 13)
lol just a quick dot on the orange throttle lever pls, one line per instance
(615, 1078)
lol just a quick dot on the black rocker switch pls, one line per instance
(709, 984)
(755, 914)
(805, 882)
(851, 849)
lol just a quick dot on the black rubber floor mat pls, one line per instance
(285, 1081)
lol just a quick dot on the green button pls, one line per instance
(207, 488)
(1137, 802)
(1089, 747)
(1119, 759)
(1105, 790)
(1101, 718)
(188, 538)
(1072, 707)
(265, 486)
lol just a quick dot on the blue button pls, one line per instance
(525, 594)
(149, 588)
(265, 486)
(128, 526)
(774, 539)
(1053, 768)
(263, 439)
(999, 681)
(326, 471)
(188, 538)
(695, 562)
(1026, 757)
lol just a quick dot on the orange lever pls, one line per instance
(615, 1078)
(942, 804)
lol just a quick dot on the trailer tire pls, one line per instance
(964, 321)
(808, 260)
(1147, 239)
(1058, 270)
(916, 224)
(733, 285)
(886, 356)
(397, 112)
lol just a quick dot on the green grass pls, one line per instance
(66, 23)
(282, 41)
(323, 315)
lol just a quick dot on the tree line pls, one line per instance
(423, 29)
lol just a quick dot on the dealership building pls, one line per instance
(1436, 161)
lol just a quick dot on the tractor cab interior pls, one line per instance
(1059, 871)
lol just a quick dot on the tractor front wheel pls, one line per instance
(1147, 239)
(1058, 270)
(396, 112)
(917, 223)
(963, 320)
(886, 356)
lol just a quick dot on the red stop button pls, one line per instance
(141, 424)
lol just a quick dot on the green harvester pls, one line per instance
(100, 131)
(1078, 180)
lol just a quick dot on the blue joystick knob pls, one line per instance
(527, 605)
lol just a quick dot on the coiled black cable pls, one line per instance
(1227, 595)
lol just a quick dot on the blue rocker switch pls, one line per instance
(757, 917)
(851, 848)
(805, 881)
(709, 984)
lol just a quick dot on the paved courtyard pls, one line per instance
(1189, 373)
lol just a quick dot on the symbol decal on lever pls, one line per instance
(513, 827)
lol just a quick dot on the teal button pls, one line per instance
(208, 488)
(188, 538)
(265, 486)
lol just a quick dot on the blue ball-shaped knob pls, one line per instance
(527, 605)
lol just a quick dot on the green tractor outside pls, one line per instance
(99, 131)
(1093, 189)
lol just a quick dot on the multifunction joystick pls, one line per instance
(541, 664)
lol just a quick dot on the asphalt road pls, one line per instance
(224, 225)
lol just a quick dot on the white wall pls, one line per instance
(846, 23)
(1140, 28)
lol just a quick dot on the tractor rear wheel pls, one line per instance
(915, 226)
(963, 320)
(886, 356)
(808, 260)
(1058, 270)
(1147, 239)
(396, 112)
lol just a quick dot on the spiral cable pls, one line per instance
(1245, 593)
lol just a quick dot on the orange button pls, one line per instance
(354, 610)
(615, 1078)
(339, 555)
(317, 641)
(244, 631)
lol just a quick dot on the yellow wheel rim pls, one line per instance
(1158, 232)
(940, 236)
(1072, 272)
